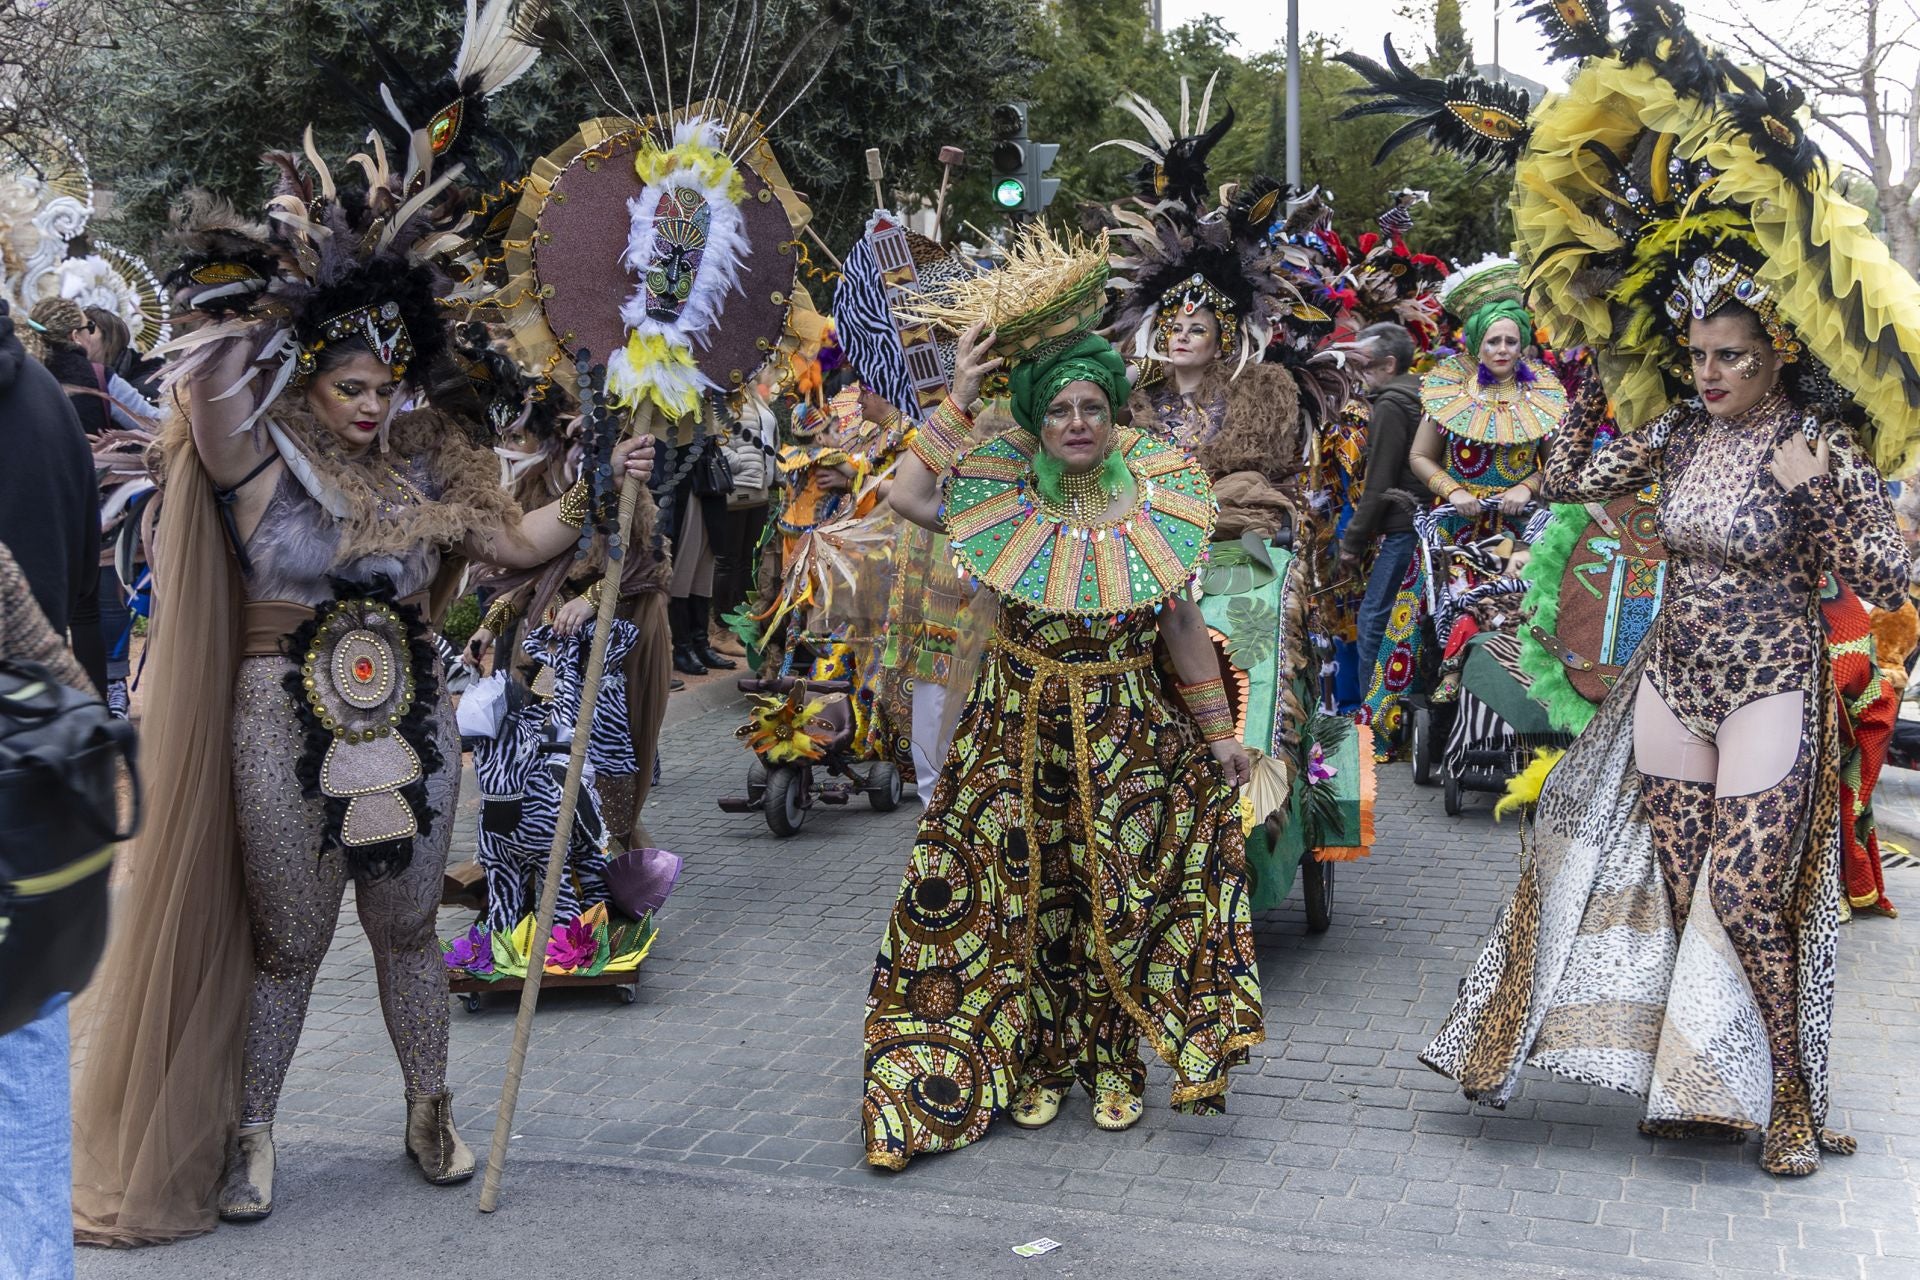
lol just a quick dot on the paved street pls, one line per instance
(712, 1128)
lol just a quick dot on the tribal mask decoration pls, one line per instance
(686, 242)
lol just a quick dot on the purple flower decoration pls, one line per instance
(572, 945)
(472, 952)
(1318, 770)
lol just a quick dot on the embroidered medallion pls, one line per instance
(1452, 396)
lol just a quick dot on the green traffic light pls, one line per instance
(1009, 193)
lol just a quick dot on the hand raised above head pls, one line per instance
(973, 361)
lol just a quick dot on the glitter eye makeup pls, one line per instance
(346, 391)
(1748, 366)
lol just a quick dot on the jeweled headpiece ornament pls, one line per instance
(1717, 279)
(1197, 293)
(379, 324)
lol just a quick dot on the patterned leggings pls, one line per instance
(1738, 838)
(296, 879)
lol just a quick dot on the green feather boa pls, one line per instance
(1567, 708)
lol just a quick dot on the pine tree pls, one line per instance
(1451, 48)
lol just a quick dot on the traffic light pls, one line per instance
(1019, 164)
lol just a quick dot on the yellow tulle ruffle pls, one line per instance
(1851, 305)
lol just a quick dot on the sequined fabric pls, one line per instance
(295, 880)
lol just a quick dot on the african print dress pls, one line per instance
(1078, 880)
(1491, 445)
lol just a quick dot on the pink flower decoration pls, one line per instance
(1318, 770)
(572, 945)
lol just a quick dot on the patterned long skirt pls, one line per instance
(1078, 883)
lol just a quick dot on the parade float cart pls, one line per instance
(1309, 804)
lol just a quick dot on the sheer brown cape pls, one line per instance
(157, 1037)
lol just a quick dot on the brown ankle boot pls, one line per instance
(1791, 1150)
(435, 1144)
(246, 1190)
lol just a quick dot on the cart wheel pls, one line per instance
(1452, 798)
(472, 1000)
(628, 994)
(783, 808)
(756, 780)
(1316, 883)
(1422, 749)
(883, 788)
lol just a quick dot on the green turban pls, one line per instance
(1035, 383)
(1474, 331)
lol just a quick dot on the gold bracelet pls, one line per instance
(575, 504)
(1443, 486)
(593, 592)
(500, 615)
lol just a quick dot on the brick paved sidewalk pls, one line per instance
(743, 1051)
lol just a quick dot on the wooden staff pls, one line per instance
(562, 832)
(874, 173)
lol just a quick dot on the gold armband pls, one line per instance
(575, 504)
(1443, 485)
(943, 437)
(500, 615)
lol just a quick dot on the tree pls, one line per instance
(195, 99)
(1451, 48)
(1857, 61)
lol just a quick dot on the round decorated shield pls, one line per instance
(598, 251)
(1598, 575)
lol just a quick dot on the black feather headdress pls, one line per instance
(1174, 160)
(1574, 28)
(1483, 121)
(449, 108)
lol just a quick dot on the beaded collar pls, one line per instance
(1452, 396)
(1001, 535)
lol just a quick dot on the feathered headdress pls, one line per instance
(330, 265)
(1667, 182)
(1482, 120)
(1175, 255)
(1174, 162)
(450, 108)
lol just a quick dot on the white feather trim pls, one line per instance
(331, 500)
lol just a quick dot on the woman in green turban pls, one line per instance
(1078, 880)
(1488, 411)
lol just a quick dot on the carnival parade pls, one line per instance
(1311, 677)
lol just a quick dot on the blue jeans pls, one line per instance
(36, 1152)
(1383, 586)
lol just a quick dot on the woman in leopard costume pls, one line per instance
(1673, 933)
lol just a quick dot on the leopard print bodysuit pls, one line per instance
(1739, 622)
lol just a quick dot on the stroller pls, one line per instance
(1475, 727)
(799, 725)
